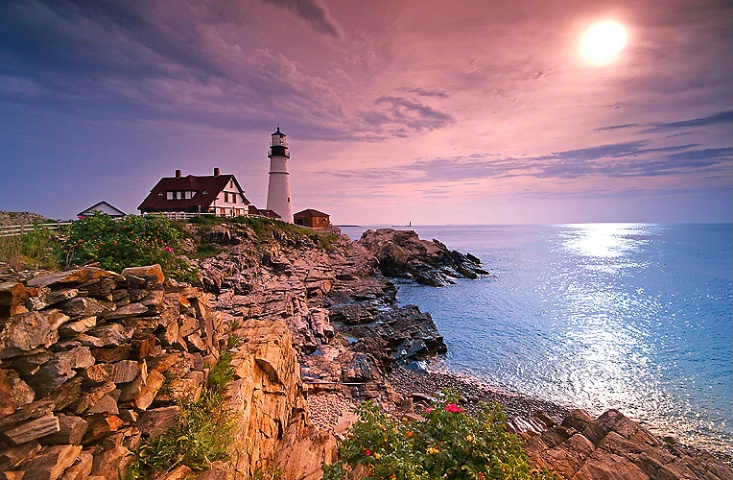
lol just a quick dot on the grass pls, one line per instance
(35, 249)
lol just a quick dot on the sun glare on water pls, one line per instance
(602, 42)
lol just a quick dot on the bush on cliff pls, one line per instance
(129, 242)
(450, 443)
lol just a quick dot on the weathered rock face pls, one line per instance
(266, 394)
(401, 253)
(613, 447)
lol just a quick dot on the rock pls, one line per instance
(71, 430)
(106, 404)
(100, 426)
(615, 447)
(363, 368)
(31, 430)
(149, 390)
(153, 274)
(78, 357)
(22, 333)
(78, 326)
(67, 394)
(111, 335)
(14, 392)
(81, 469)
(112, 354)
(109, 463)
(401, 253)
(92, 396)
(50, 376)
(59, 295)
(13, 457)
(157, 421)
(303, 450)
(181, 472)
(52, 462)
(13, 296)
(577, 419)
(70, 278)
(84, 307)
(125, 371)
(98, 373)
(265, 393)
(129, 310)
(55, 318)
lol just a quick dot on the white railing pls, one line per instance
(178, 215)
(13, 230)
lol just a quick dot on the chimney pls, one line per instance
(216, 172)
(178, 174)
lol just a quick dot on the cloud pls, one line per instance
(400, 116)
(313, 12)
(623, 160)
(715, 119)
(719, 118)
(427, 93)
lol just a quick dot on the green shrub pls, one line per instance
(449, 444)
(130, 242)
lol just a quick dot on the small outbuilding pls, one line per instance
(312, 218)
(102, 207)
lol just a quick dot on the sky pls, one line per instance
(422, 111)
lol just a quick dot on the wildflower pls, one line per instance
(377, 456)
(432, 450)
(453, 408)
(428, 410)
(368, 452)
(409, 434)
(470, 439)
(167, 249)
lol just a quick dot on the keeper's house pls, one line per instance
(218, 194)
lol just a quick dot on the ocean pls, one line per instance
(635, 317)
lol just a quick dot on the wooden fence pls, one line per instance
(13, 230)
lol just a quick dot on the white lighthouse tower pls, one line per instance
(278, 191)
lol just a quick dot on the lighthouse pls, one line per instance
(278, 191)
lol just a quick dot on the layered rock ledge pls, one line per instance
(93, 362)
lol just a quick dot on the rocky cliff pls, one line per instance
(92, 363)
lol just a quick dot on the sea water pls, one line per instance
(635, 317)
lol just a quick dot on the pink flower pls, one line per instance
(453, 408)
(368, 452)
(428, 410)
(167, 249)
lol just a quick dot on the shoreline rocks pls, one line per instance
(401, 253)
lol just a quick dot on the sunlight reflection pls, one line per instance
(601, 239)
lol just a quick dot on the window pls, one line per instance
(170, 195)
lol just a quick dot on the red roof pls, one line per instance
(309, 212)
(263, 212)
(205, 189)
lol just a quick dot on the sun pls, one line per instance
(602, 42)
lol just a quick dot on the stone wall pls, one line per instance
(92, 362)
